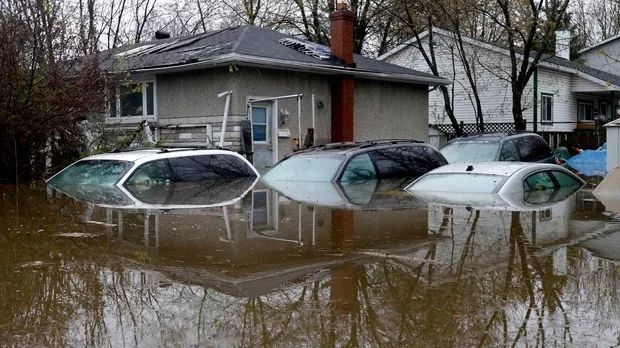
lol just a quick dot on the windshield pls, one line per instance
(305, 168)
(91, 172)
(453, 182)
(459, 152)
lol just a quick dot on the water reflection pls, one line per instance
(180, 195)
(386, 194)
(263, 269)
(517, 201)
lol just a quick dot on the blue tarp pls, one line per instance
(590, 162)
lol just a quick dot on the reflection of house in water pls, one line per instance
(483, 239)
(265, 240)
(261, 241)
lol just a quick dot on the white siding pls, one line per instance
(492, 73)
(613, 147)
(579, 84)
(564, 103)
(604, 57)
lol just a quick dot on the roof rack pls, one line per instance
(333, 146)
(168, 148)
(389, 141)
(360, 144)
(496, 133)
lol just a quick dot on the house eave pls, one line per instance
(281, 64)
(602, 43)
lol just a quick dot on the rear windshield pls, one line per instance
(306, 168)
(459, 152)
(453, 182)
(92, 172)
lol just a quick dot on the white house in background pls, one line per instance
(565, 96)
(605, 55)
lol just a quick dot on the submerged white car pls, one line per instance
(155, 166)
(506, 184)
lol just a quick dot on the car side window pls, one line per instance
(404, 161)
(564, 180)
(538, 182)
(359, 167)
(532, 148)
(155, 172)
(509, 152)
(191, 168)
(209, 167)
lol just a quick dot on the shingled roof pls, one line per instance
(610, 78)
(252, 46)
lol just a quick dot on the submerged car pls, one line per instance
(344, 162)
(503, 184)
(154, 166)
(511, 147)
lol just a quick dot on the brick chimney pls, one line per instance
(343, 87)
(341, 30)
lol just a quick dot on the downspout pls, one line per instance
(313, 123)
(535, 129)
(299, 122)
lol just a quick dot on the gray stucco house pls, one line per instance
(174, 83)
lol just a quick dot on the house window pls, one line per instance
(134, 99)
(585, 111)
(546, 108)
(259, 124)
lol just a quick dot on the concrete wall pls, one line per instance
(256, 83)
(386, 110)
(190, 98)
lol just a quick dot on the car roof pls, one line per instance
(490, 168)
(353, 147)
(135, 155)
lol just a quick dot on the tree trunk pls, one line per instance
(517, 109)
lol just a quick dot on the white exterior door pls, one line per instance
(262, 136)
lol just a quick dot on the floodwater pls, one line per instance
(357, 266)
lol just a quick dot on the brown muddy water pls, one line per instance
(376, 269)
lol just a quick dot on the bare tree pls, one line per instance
(529, 29)
(420, 16)
(46, 92)
(271, 14)
(206, 8)
(113, 22)
(312, 20)
(373, 23)
(143, 9)
(456, 12)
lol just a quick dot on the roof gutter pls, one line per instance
(282, 64)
